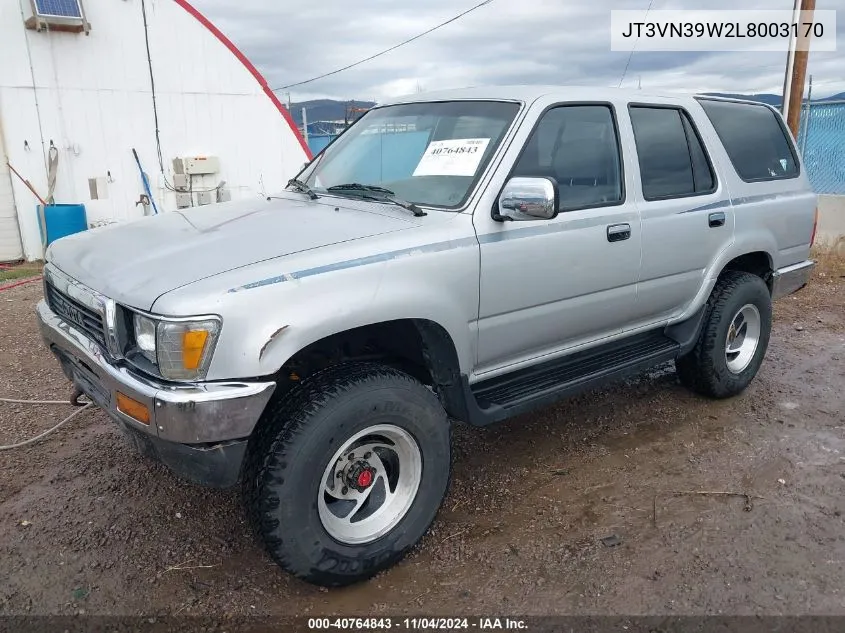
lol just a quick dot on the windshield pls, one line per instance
(427, 153)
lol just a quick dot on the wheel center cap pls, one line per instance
(365, 478)
(360, 476)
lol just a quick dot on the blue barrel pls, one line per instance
(59, 220)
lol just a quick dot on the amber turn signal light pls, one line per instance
(133, 408)
(193, 344)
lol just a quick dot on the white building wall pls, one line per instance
(10, 239)
(94, 103)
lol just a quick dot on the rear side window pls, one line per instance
(673, 162)
(755, 139)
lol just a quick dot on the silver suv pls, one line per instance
(469, 256)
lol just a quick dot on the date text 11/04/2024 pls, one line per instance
(417, 624)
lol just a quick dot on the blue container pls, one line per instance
(59, 220)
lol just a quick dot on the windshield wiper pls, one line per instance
(379, 194)
(357, 186)
(301, 187)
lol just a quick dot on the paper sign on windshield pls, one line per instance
(455, 157)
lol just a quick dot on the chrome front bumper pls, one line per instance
(790, 279)
(197, 413)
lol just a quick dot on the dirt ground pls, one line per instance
(88, 526)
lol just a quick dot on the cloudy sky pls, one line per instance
(507, 41)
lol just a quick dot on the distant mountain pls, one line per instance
(326, 109)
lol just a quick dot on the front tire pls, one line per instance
(350, 473)
(733, 338)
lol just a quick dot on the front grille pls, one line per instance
(75, 313)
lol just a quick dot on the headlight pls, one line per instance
(179, 349)
(185, 347)
(145, 337)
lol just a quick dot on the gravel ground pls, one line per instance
(89, 526)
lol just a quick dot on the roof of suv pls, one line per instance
(529, 93)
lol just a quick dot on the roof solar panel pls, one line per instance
(58, 8)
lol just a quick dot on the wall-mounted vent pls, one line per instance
(58, 15)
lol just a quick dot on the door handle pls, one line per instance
(618, 232)
(716, 219)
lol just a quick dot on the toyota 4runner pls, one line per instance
(468, 255)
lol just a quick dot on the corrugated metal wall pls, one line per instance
(94, 101)
(10, 238)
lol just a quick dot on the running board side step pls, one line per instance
(502, 397)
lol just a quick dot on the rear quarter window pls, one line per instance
(755, 139)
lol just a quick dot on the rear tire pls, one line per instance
(733, 339)
(333, 517)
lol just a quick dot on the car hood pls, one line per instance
(136, 262)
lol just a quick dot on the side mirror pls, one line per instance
(528, 199)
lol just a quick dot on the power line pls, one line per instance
(167, 184)
(392, 48)
(633, 48)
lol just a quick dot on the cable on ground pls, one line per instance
(48, 431)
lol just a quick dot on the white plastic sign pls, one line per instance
(455, 157)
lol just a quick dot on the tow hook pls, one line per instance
(75, 395)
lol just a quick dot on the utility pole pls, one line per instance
(790, 61)
(797, 74)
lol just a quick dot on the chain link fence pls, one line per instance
(822, 143)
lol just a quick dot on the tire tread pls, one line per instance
(695, 369)
(283, 422)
